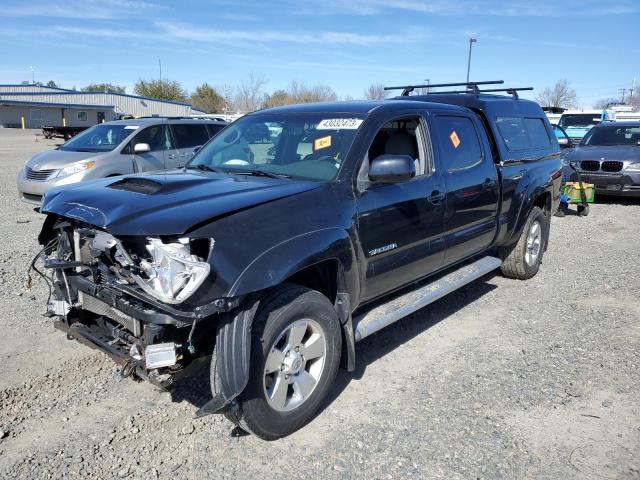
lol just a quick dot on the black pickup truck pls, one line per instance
(270, 259)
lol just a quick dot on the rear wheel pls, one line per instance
(522, 261)
(295, 355)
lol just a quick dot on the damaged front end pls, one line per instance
(130, 296)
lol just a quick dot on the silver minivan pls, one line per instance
(116, 148)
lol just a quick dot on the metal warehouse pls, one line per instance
(35, 106)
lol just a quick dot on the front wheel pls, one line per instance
(295, 355)
(522, 261)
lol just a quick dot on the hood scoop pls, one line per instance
(138, 185)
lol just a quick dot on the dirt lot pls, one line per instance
(502, 379)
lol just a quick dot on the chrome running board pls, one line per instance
(407, 303)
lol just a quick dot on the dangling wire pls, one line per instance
(32, 266)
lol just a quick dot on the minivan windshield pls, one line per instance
(99, 138)
(303, 145)
(579, 119)
(611, 136)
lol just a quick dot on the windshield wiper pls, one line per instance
(261, 173)
(202, 166)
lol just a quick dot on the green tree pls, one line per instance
(104, 87)
(51, 83)
(207, 99)
(161, 89)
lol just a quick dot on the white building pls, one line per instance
(36, 106)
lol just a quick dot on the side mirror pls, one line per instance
(392, 169)
(561, 135)
(141, 148)
(196, 149)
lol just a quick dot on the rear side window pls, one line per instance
(513, 132)
(538, 135)
(214, 129)
(190, 135)
(459, 142)
(523, 133)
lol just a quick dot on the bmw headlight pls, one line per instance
(634, 167)
(75, 168)
(174, 273)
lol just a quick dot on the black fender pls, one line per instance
(231, 358)
(233, 338)
(278, 263)
(529, 196)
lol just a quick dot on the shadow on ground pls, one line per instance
(196, 389)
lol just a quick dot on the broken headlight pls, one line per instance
(174, 273)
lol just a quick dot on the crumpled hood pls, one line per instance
(167, 203)
(621, 153)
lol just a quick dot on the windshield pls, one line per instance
(611, 136)
(310, 146)
(579, 119)
(99, 138)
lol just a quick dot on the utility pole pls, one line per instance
(33, 74)
(623, 91)
(428, 82)
(633, 88)
(160, 68)
(471, 42)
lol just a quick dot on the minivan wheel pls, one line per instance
(522, 261)
(295, 354)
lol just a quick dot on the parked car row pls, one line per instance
(608, 156)
(116, 148)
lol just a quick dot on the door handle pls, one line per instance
(488, 184)
(436, 197)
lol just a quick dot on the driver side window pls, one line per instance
(156, 136)
(402, 136)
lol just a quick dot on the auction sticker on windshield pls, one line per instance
(339, 124)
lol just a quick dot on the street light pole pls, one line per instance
(427, 81)
(471, 42)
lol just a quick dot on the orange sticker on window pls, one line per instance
(455, 141)
(322, 142)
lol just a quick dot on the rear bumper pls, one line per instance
(612, 183)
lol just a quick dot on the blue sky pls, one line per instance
(347, 44)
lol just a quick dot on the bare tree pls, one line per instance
(605, 102)
(298, 92)
(561, 95)
(375, 92)
(635, 102)
(250, 95)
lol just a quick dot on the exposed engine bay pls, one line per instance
(130, 296)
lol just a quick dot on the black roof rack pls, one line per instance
(472, 87)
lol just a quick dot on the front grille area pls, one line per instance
(590, 165)
(39, 175)
(610, 166)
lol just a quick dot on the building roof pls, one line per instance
(53, 104)
(35, 85)
(82, 92)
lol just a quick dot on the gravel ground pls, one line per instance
(502, 379)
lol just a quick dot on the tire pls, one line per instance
(583, 210)
(522, 261)
(286, 313)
